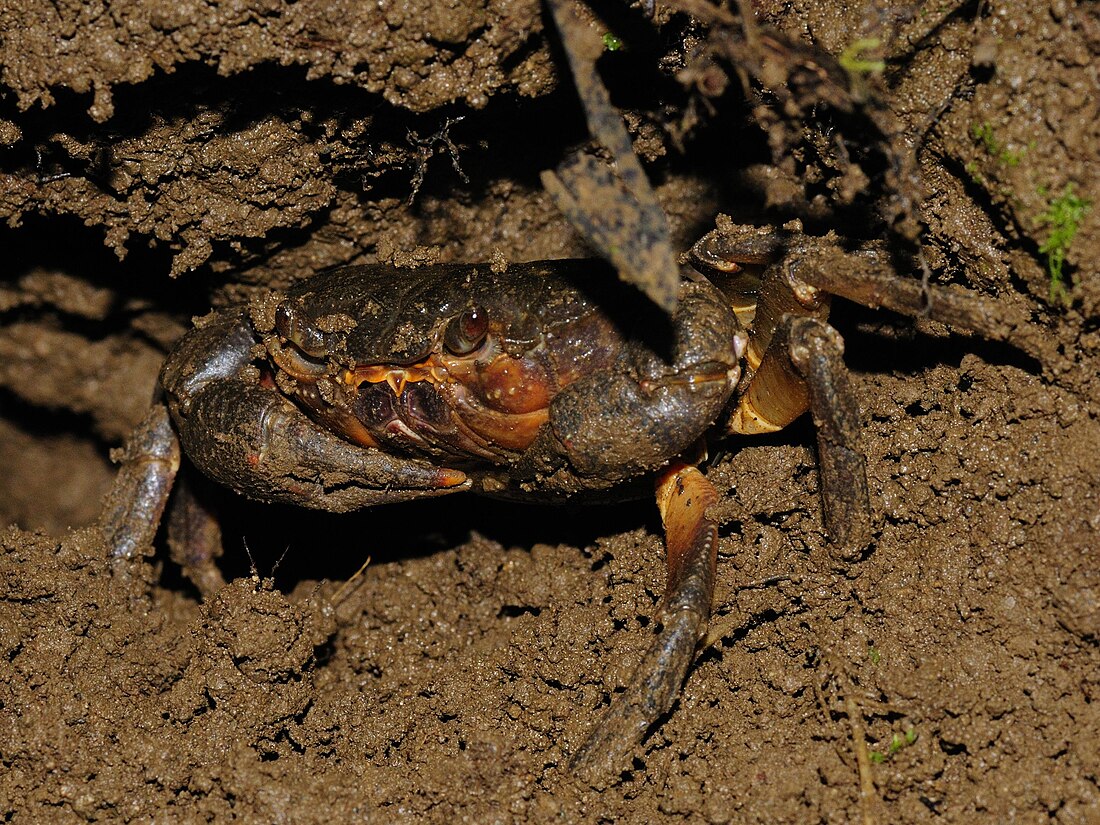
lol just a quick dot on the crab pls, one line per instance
(547, 381)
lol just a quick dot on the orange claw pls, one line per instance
(691, 542)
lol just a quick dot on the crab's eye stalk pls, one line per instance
(305, 362)
(466, 332)
(297, 363)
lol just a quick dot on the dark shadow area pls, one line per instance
(881, 341)
(369, 143)
(299, 544)
(63, 244)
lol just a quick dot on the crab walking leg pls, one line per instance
(194, 537)
(135, 503)
(691, 541)
(858, 277)
(806, 265)
(773, 393)
(803, 369)
(817, 352)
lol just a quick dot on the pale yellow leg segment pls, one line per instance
(775, 394)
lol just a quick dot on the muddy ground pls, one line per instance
(157, 158)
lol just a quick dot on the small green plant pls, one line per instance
(873, 654)
(897, 743)
(972, 170)
(854, 61)
(611, 42)
(983, 133)
(1063, 215)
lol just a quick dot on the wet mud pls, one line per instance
(158, 159)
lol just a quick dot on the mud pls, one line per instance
(152, 166)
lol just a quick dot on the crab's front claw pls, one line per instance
(249, 437)
(691, 544)
(635, 418)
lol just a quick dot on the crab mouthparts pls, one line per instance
(395, 377)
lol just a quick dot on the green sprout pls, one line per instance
(874, 655)
(983, 133)
(975, 175)
(897, 743)
(611, 42)
(854, 61)
(1063, 215)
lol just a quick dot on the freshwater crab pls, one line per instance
(543, 380)
(368, 385)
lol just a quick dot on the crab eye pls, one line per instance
(297, 329)
(466, 332)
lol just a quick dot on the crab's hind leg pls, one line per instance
(865, 277)
(194, 535)
(132, 511)
(691, 542)
(795, 358)
(803, 369)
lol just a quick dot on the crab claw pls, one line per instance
(251, 438)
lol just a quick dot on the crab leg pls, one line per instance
(131, 514)
(135, 503)
(795, 358)
(194, 536)
(795, 363)
(691, 541)
(858, 277)
(803, 368)
(817, 352)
